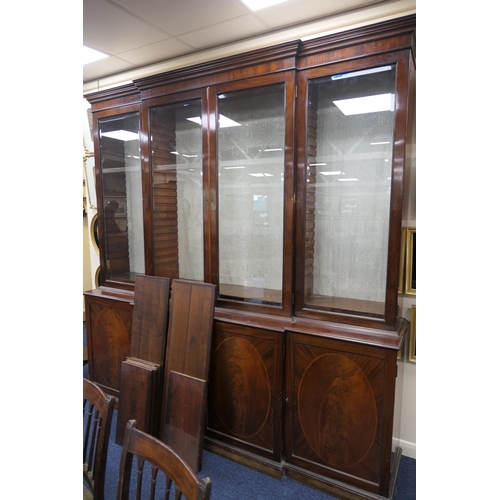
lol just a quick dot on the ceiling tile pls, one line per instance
(297, 11)
(182, 16)
(111, 30)
(159, 51)
(150, 32)
(225, 32)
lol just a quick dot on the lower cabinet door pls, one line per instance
(245, 391)
(339, 412)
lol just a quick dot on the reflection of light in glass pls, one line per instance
(232, 168)
(259, 203)
(335, 172)
(317, 164)
(121, 135)
(224, 121)
(378, 143)
(367, 104)
(361, 73)
(272, 149)
(351, 179)
(185, 155)
(260, 174)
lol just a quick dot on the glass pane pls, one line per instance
(350, 141)
(251, 141)
(176, 160)
(120, 159)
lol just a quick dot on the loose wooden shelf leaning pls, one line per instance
(168, 370)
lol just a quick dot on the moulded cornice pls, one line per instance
(262, 56)
(366, 34)
(122, 91)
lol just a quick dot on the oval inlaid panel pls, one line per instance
(337, 410)
(243, 397)
(111, 341)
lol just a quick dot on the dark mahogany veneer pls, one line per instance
(292, 391)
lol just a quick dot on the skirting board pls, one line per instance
(409, 449)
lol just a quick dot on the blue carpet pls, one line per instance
(232, 481)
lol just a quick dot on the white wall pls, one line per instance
(405, 408)
(405, 417)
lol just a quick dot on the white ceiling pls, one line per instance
(139, 33)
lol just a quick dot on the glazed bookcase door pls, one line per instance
(351, 161)
(119, 182)
(254, 186)
(177, 174)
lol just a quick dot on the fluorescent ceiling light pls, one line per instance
(261, 4)
(261, 175)
(367, 104)
(352, 179)
(232, 168)
(121, 135)
(361, 73)
(91, 55)
(224, 121)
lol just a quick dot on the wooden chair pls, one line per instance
(97, 417)
(152, 455)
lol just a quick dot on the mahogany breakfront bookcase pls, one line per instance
(279, 176)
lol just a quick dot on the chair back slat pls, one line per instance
(98, 414)
(140, 448)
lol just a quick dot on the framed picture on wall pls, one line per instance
(412, 352)
(402, 261)
(411, 262)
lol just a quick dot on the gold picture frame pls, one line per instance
(412, 351)
(411, 262)
(98, 277)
